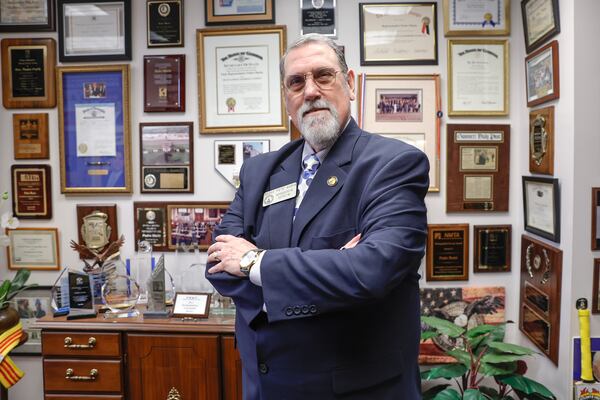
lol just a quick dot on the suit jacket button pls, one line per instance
(313, 309)
(305, 309)
(297, 310)
(289, 312)
(263, 368)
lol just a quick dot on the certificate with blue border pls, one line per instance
(95, 141)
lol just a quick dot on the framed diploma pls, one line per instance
(164, 83)
(230, 56)
(541, 275)
(164, 23)
(193, 223)
(541, 21)
(542, 75)
(318, 16)
(97, 225)
(26, 16)
(448, 252)
(478, 165)
(476, 18)
(167, 157)
(541, 141)
(191, 305)
(94, 30)
(30, 136)
(28, 73)
(492, 248)
(150, 223)
(223, 12)
(596, 287)
(33, 248)
(231, 154)
(398, 34)
(32, 303)
(595, 218)
(541, 204)
(407, 108)
(94, 136)
(31, 191)
(477, 77)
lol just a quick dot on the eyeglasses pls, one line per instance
(324, 78)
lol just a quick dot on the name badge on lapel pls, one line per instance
(280, 194)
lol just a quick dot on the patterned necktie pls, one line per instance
(310, 163)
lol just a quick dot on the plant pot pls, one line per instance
(8, 318)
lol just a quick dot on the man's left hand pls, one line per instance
(227, 251)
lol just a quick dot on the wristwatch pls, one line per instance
(248, 260)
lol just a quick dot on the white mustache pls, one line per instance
(310, 106)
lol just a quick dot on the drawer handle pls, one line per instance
(92, 377)
(69, 344)
(174, 394)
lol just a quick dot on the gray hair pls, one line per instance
(315, 38)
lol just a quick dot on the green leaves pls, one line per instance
(527, 386)
(10, 289)
(446, 371)
(511, 348)
(448, 394)
(4, 288)
(428, 335)
(474, 394)
(443, 327)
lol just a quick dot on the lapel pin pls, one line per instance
(332, 181)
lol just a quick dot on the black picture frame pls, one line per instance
(47, 26)
(537, 42)
(546, 191)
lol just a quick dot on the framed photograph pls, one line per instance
(97, 225)
(30, 136)
(28, 77)
(191, 305)
(94, 30)
(26, 16)
(33, 248)
(398, 34)
(94, 136)
(231, 154)
(193, 223)
(31, 191)
(478, 167)
(150, 223)
(447, 255)
(233, 55)
(407, 108)
(541, 21)
(595, 218)
(167, 157)
(540, 288)
(164, 83)
(164, 23)
(477, 77)
(596, 290)
(225, 12)
(318, 16)
(31, 304)
(541, 205)
(492, 248)
(541, 141)
(542, 75)
(476, 18)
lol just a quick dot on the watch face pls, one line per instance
(248, 258)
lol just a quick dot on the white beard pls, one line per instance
(320, 130)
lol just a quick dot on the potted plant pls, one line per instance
(486, 368)
(9, 289)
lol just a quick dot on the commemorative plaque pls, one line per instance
(492, 248)
(30, 134)
(318, 16)
(164, 23)
(150, 224)
(31, 191)
(541, 141)
(164, 87)
(448, 252)
(156, 287)
(541, 274)
(96, 225)
(81, 298)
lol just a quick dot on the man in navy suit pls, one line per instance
(322, 265)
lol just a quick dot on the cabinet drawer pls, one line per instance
(107, 379)
(84, 344)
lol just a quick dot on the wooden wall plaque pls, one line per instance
(86, 210)
(448, 252)
(32, 191)
(541, 141)
(30, 133)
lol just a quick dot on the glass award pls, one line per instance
(72, 295)
(141, 268)
(120, 294)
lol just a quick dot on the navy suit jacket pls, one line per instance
(340, 324)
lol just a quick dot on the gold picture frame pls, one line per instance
(33, 248)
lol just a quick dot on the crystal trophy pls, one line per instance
(120, 293)
(157, 304)
(142, 268)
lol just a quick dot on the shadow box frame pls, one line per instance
(434, 233)
(537, 57)
(102, 172)
(53, 262)
(213, 16)
(426, 89)
(33, 346)
(48, 25)
(533, 43)
(474, 27)
(551, 185)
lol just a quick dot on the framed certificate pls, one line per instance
(478, 166)
(31, 191)
(30, 136)
(164, 23)
(223, 12)
(318, 16)
(541, 204)
(191, 305)
(477, 77)
(94, 30)
(164, 83)
(595, 218)
(231, 154)
(541, 21)
(448, 252)
(167, 157)
(492, 248)
(246, 94)
(31, 304)
(94, 136)
(26, 16)
(476, 18)
(193, 223)
(398, 34)
(28, 79)
(150, 223)
(407, 108)
(541, 141)
(33, 248)
(542, 75)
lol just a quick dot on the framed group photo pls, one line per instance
(542, 75)
(27, 16)
(225, 12)
(476, 18)
(193, 223)
(541, 21)
(541, 205)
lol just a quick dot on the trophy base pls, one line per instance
(156, 314)
(121, 314)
